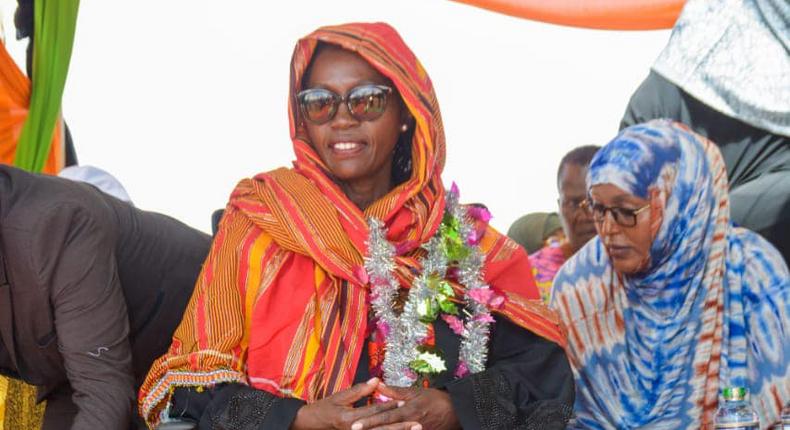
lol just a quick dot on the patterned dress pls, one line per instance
(546, 262)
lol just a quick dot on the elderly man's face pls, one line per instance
(576, 220)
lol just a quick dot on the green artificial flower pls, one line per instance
(428, 362)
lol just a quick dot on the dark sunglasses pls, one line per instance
(365, 103)
(622, 216)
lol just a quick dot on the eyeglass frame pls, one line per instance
(582, 204)
(338, 99)
(633, 213)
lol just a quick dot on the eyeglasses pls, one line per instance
(365, 103)
(622, 216)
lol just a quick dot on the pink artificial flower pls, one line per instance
(486, 296)
(383, 329)
(478, 213)
(474, 238)
(497, 302)
(455, 323)
(462, 370)
(454, 189)
(486, 317)
(481, 295)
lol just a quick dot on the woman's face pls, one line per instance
(357, 152)
(628, 247)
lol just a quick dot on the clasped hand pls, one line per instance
(409, 409)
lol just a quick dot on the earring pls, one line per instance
(403, 128)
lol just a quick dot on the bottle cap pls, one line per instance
(735, 393)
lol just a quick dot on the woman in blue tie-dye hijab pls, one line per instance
(671, 302)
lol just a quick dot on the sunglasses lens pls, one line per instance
(367, 102)
(319, 106)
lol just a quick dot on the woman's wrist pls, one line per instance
(303, 419)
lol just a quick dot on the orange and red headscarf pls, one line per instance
(281, 303)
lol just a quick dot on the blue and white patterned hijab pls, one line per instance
(712, 308)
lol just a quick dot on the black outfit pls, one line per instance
(91, 290)
(71, 153)
(6, 365)
(528, 385)
(758, 162)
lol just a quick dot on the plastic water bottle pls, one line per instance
(735, 412)
(784, 423)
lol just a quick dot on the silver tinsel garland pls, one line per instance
(405, 333)
(474, 346)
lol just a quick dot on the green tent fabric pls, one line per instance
(55, 23)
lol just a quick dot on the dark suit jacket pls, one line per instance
(91, 290)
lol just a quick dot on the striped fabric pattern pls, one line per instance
(711, 310)
(281, 303)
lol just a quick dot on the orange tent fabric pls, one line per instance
(14, 102)
(597, 14)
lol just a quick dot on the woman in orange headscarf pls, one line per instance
(356, 265)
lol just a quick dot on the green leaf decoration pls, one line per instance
(446, 289)
(448, 307)
(456, 251)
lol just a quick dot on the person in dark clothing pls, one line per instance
(758, 161)
(353, 291)
(527, 372)
(726, 74)
(91, 290)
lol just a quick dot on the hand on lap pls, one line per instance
(338, 412)
(422, 409)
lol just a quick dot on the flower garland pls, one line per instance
(453, 252)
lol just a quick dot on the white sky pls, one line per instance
(181, 99)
